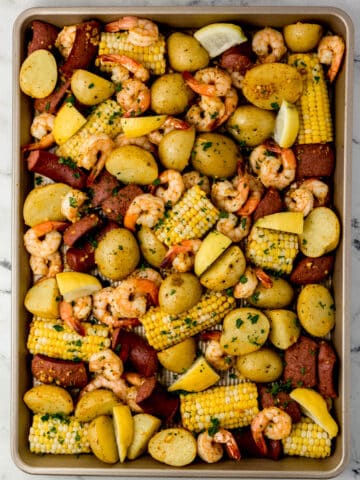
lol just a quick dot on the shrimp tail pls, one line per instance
(46, 142)
(150, 288)
(49, 226)
(66, 314)
(130, 221)
(263, 277)
(260, 442)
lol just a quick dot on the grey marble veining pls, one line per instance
(9, 10)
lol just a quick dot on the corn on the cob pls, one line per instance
(163, 329)
(58, 434)
(104, 119)
(313, 104)
(54, 339)
(307, 439)
(272, 249)
(152, 57)
(191, 217)
(230, 406)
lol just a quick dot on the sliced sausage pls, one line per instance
(301, 363)
(78, 229)
(327, 362)
(103, 187)
(248, 447)
(312, 270)
(154, 399)
(115, 206)
(65, 373)
(281, 400)
(270, 203)
(314, 160)
(51, 103)
(43, 36)
(81, 259)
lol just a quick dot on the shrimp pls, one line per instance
(50, 244)
(211, 81)
(171, 186)
(148, 274)
(258, 155)
(278, 172)
(65, 40)
(319, 189)
(204, 115)
(71, 204)
(145, 209)
(209, 447)
(134, 97)
(214, 353)
(256, 190)
(236, 64)
(46, 266)
(137, 69)
(249, 281)
(106, 363)
(94, 152)
(196, 178)
(105, 311)
(230, 196)
(142, 32)
(331, 51)
(272, 422)
(72, 312)
(143, 142)
(268, 44)
(182, 256)
(131, 296)
(234, 227)
(41, 129)
(304, 196)
(170, 124)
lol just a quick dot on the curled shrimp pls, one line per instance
(258, 155)
(278, 171)
(196, 178)
(45, 247)
(132, 295)
(230, 196)
(331, 51)
(41, 129)
(46, 266)
(234, 227)
(65, 40)
(148, 274)
(256, 190)
(249, 281)
(73, 312)
(134, 97)
(145, 209)
(71, 204)
(171, 123)
(132, 66)
(304, 196)
(171, 186)
(142, 32)
(182, 256)
(210, 81)
(106, 363)
(143, 142)
(209, 447)
(274, 423)
(94, 152)
(214, 353)
(205, 113)
(268, 44)
(105, 311)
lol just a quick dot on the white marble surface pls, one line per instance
(9, 10)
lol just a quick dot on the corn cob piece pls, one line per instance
(272, 249)
(163, 330)
(191, 217)
(152, 57)
(104, 119)
(229, 406)
(54, 339)
(313, 104)
(307, 439)
(58, 434)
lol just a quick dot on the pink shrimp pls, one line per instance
(142, 32)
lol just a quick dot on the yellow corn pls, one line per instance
(152, 57)
(54, 339)
(307, 439)
(191, 217)
(163, 330)
(313, 104)
(58, 434)
(105, 118)
(231, 406)
(272, 249)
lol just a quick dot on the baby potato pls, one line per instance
(179, 357)
(173, 446)
(215, 155)
(49, 399)
(145, 426)
(284, 328)
(102, 440)
(185, 53)
(132, 164)
(38, 74)
(316, 310)
(170, 95)
(225, 271)
(175, 148)
(152, 249)
(302, 37)
(95, 403)
(279, 295)
(261, 366)
(90, 89)
(321, 233)
(179, 292)
(251, 125)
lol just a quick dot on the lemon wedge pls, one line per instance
(199, 377)
(286, 125)
(124, 429)
(218, 37)
(314, 406)
(291, 222)
(139, 126)
(73, 285)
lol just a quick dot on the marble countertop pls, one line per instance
(9, 10)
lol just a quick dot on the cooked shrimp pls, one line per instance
(41, 129)
(249, 281)
(72, 312)
(230, 196)
(234, 227)
(50, 244)
(205, 114)
(142, 32)
(145, 209)
(143, 142)
(258, 155)
(105, 311)
(132, 295)
(131, 65)
(94, 152)
(65, 40)
(171, 186)
(196, 178)
(278, 172)
(106, 363)
(331, 51)
(182, 256)
(46, 266)
(319, 189)
(209, 447)
(210, 81)
(268, 44)
(148, 274)
(256, 190)
(299, 200)
(134, 97)
(272, 422)
(214, 353)
(236, 64)
(71, 204)
(170, 124)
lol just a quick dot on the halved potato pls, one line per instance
(284, 328)
(102, 440)
(226, 271)
(302, 37)
(90, 89)
(175, 148)
(179, 357)
(316, 310)
(49, 399)
(152, 249)
(321, 232)
(132, 164)
(95, 403)
(38, 74)
(173, 446)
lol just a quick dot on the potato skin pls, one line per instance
(321, 232)
(315, 309)
(179, 357)
(264, 365)
(173, 446)
(49, 399)
(186, 53)
(284, 328)
(175, 148)
(95, 403)
(42, 299)
(226, 270)
(179, 292)
(44, 203)
(251, 125)
(170, 95)
(302, 37)
(152, 249)
(102, 439)
(132, 164)
(278, 296)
